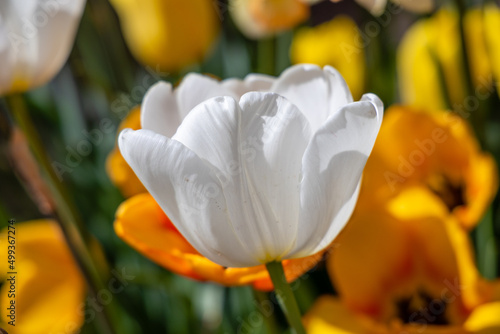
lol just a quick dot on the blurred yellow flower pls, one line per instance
(35, 41)
(425, 180)
(117, 168)
(168, 35)
(431, 66)
(415, 276)
(337, 43)
(434, 153)
(49, 291)
(142, 224)
(262, 18)
(410, 266)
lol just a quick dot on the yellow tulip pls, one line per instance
(336, 43)
(433, 152)
(168, 35)
(398, 275)
(262, 18)
(405, 263)
(49, 289)
(431, 65)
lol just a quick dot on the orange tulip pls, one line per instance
(142, 224)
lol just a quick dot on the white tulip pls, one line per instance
(262, 177)
(35, 40)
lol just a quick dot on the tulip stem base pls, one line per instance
(285, 296)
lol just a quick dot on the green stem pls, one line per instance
(465, 58)
(486, 247)
(65, 213)
(286, 299)
(477, 119)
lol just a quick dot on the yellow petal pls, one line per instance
(428, 57)
(329, 316)
(417, 203)
(446, 45)
(484, 319)
(418, 71)
(168, 35)
(413, 248)
(437, 152)
(364, 285)
(49, 287)
(337, 43)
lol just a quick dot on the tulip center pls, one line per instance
(451, 193)
(422, 308)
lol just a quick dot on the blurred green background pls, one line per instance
(102, 80)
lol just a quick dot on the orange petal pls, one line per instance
(143, 225)
(279, 15)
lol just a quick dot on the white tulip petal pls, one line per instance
(55, 37)
(5, 56)
(159, 110)
(196, 88)
(316, 92)
(189, 192)
(260, 176)
(211, 131)
(332, 167)
(251, 83)
(274, 135)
